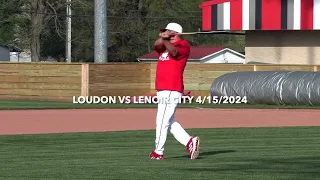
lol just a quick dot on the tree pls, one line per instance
(7, 21)
(38, 13)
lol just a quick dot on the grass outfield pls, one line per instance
(26, 104)
(242, 153)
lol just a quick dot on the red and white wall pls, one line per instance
(238, 15)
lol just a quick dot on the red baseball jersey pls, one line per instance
(169, 74)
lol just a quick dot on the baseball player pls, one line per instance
(173, 55)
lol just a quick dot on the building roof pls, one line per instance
(12, 48)
(196, 52)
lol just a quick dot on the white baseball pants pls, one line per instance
(165, 121)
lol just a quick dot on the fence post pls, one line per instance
(84, 79)
(315, 68)
(254, 67)
(152, 76)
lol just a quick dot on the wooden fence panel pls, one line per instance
(268, 67)
(40, 81)
(119, 79)
(61, 81)
(220, 67)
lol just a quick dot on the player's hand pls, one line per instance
(165, 35)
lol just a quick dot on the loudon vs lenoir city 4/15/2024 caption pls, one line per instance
(157, 100)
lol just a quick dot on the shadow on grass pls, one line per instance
(203, 155)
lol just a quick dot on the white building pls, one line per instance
(20, 57)
(204, 54)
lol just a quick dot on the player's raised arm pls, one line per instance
(158, 44)
(171, 48)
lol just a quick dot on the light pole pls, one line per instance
(68, 38)
(100, 31)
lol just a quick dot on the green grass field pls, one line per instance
(242, 153)
(25, 104)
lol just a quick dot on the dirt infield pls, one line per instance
(99, 120)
